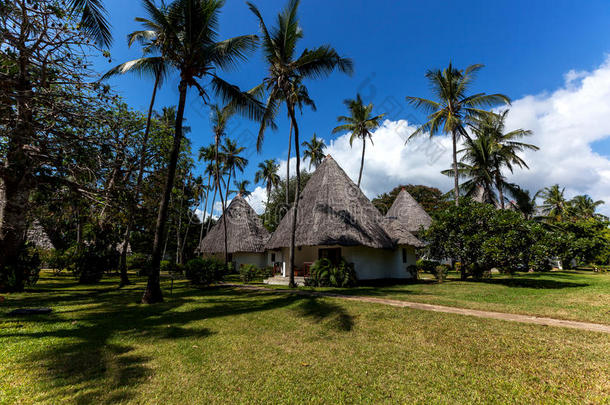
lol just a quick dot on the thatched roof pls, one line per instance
(332, 211)
(38, 236)
(245, 231)
(399, 234)
(408, 213)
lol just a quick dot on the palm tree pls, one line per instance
(284, 70)
(231, 162)
(241, 187)
(314, 151)
(554, 205)
(584, 207)
(93, 20)
(453, 108)
(188, 32)
(505, 146)
(148, 65)
(360, 123)
(267, 173)
(478, 166)
(524, 202)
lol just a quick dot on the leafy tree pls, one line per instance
(431, 199)
(314, 151)
(584, 207)
(360, 123)
(189, 43)
(285, 72)
(453, 108)
(267, 173)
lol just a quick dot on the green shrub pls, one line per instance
(441, 271)
(248, 272)
(167, 266)
(138, 261)
(413, 271)
(59, 260)
(204, 272)
(90, 263)
(324, 274)
(24, 272)
(426, 266)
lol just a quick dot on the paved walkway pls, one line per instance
(441, 308)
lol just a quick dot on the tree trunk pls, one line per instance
(153, 293)
(362, 161)
(178, 259)
(15, 183)
(499, 187)
(297, 195)
(142, 163)
(212, 208)
(205, 208)
(456, 184)
(224, 217)
(288, 167)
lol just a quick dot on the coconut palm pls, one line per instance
(360, 123)
(241, 187)
(267, 174)
(189, 43)
(285, 69)
(554, 205)
(93, 20)
(207, 154)
(151, 64)
(453, 108)
(231, 161)
(314, 151)
(583, 206)
(524, 202)
(478, 167)
(505, 145)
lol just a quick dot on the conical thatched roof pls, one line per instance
(408, 213)
(245, 231)
(332, 211)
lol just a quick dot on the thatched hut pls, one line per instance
(335, 219)
(246, 236)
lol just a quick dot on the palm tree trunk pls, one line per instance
(224, 217)
(127, 236)
(205, 208)
(499, 187)
(297, 195)
(153, 293)
(456, 184)
(362, 161)
(212, 208)
(178, 259)
(288, 167)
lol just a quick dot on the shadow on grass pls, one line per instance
(538, 283)
(85, 364)
(334, 316)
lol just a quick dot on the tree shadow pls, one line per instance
(85, 364)
(332, 315)
(536, 283)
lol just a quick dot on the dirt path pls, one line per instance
(441, 308)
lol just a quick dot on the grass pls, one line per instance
(225, 345)
(573, 295)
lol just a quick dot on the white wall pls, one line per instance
(369, 263)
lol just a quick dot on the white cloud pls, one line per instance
(565, 123)
(257, 199)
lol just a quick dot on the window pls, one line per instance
(334, 255)
(404, 255)
(272, 257)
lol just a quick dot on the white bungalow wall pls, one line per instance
(369, 263)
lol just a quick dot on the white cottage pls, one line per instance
(246, 236)
(335, 219)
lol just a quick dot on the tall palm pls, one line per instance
(189, 43)
(241, 187)
(506, 146)
(284, 70)
(314, 151)
(523, 201)
(554, 205)
(232, 162)
(93, 20)
(267, 173)
(360, 123)
(151, 64)
(478, 166)
(453, 108)
(583, 206)
(207, 154)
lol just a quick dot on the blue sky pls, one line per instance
(527, 47)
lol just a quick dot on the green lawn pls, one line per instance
(224, 345)
(574, 295)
